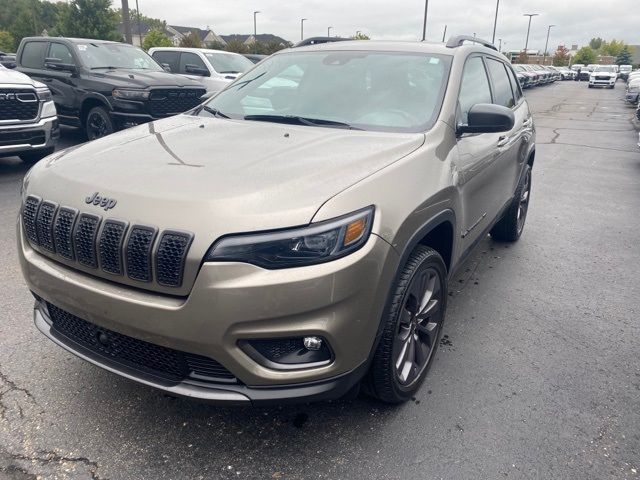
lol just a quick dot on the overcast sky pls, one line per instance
(576, 20)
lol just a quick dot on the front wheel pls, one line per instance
(412, 328)
(98, 123)
(510, 226)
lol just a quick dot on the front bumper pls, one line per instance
(29, 137)
(602, 83)
(340, 301)
(632, 97)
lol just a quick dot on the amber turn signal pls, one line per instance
(354, 231)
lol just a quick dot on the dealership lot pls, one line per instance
(537, 375)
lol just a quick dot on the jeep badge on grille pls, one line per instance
(104, 202)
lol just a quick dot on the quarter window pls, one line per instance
(502, 94)
(515, 85)
(474, 89)
(33, 55)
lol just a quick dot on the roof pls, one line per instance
(202, 34)
(261, 37)
(144, 27)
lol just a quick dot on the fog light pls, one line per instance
(312, 343)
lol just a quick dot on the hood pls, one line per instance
(13, 76)
(143, 79)
(214, 177)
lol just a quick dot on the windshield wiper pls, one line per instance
(110, 67)
(213, 111)
(244, 83)
(297, 120)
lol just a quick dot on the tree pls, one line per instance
(237, 46)
(88, 19)
(596, 43)
(272, 47)
(361, 36)
(561, 57)
(612, 48)
(585, 55)
(624, 57)
(6, 41)
(156, 38)
(191, 41)
(216, 45)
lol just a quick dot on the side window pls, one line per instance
(474, 89)
(61, 52)
(502, 94)
(187, 58)
(515, 84)
(33, 55)
(168, 57)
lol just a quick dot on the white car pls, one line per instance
(603, 76)
(633, 91)
(215, 69)
(28, 119)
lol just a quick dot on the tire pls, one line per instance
(510, 226)
(423, 275)
(35, 155)
(98, 123)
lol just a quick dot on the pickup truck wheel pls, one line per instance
(510, 226)
(35, 155)
(98, 123)
(412, 328)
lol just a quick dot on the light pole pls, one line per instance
(126, 20)
(546, 44)
(302, 28)
(255, 25)
(424, 23)
(329, 31)
(530, 15)
(139, 30)
(495, 22)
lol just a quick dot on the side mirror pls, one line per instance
(488, 118)
(57, 64)
(195, 70)
(166, 67)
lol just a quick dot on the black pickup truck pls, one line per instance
(104, 86)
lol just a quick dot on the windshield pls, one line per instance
(354, 89)
(226, 63)
(115, 55)
(605, 68)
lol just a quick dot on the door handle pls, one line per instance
(503, 140)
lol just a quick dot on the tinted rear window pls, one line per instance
(33, 54)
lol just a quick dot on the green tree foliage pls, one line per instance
(596, 43)
(216, 45)
(88, 19)
(6, 41)
(624, 57)
(191, 41)
(612, 48)
(585, 55)
(156, 38)
(561, 57)
(361, 36)
(237, 46)
(153, 23)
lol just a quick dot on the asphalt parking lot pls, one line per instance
(537, 377)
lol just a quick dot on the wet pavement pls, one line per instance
(536, 377)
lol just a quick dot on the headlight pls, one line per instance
(48, 110)
(44, 95)
(130, 94)
(316, 243)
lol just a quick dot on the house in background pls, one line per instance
(176, 33)
(249, 40)
(138, 31)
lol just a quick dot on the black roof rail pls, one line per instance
(459, 40)
(319, 40)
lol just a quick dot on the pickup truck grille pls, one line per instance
(18, 104)
(138, 251)
(166, 363)
(166, 102)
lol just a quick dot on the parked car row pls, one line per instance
(632, 94)
(535, 75)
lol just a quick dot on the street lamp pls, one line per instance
(302, 28)
(530, 15)
(329, 31)
(546, 44)
(255, 29)
(424, 23)
(495, 22)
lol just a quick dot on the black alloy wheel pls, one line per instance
(98, 123)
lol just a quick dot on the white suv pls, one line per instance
(215, 69)
(603, 76)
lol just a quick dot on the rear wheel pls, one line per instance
(510, 226)
(412, 328)
(98, 123)
(35, 155)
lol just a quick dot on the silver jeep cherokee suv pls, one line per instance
(292, 238)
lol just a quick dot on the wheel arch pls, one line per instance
(89, 103)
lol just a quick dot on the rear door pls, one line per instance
(168, 57)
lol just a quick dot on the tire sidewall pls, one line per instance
(105, 116)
